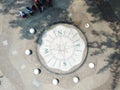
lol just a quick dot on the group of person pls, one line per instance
(40, 5)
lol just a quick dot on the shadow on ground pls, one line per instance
(116, 6)
(102, 10)
(39, 21)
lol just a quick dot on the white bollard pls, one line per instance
(28, 52)
(37, 71)
(91, 65)
(32, 30)
(76, 79)
(55, 81)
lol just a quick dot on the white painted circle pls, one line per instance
(62, 48)
(55, 81)
(28, 52)
(75, 79)
(87, 25)
(32, 30)
(91, 65)
(36, 71)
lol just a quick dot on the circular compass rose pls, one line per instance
(63, 47)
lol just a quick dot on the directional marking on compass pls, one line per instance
(63, 48)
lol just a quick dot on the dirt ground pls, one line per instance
(16, 69)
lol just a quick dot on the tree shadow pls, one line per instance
(114, 58)
(116, 6)
(114, 66)
(15, 5)
(93, 9)
(101, 10)
(39, 21)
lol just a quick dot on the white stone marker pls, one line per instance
(87, 25)
(91, 65)
(55, 81)
(37, 71)
(28, 52)
(32, 30)
(76, 79)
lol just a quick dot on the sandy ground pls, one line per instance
(17, 68)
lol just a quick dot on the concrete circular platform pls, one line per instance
(63, 48)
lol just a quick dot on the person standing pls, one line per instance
(23, 14)
(29, 10)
